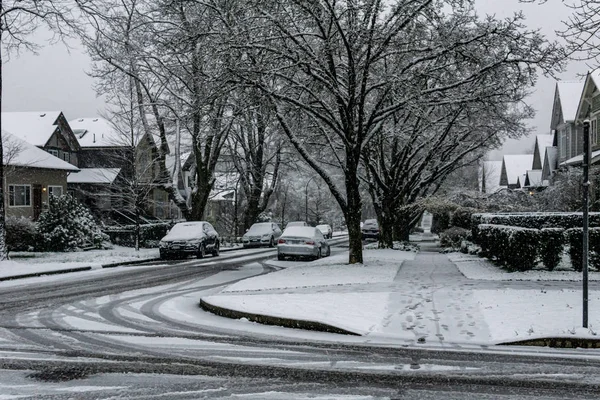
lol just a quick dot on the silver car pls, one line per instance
(190, 238)
(326, 230)
(304, 242)
(262, 234)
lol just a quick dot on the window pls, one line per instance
(67, 157)
(568, 140)
(593, 132)
(562, 137)
(53, 152)
(19, 195)
(55, 191)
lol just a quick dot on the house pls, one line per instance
(533, 179)
(568, 135)
(48, 130)
(113, 161)
(550, 165)
(489, 176)
(539, 150)
(514, 168)
(31, 175)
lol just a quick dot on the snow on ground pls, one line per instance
(475, 267)
(380, 266)
(527, 314)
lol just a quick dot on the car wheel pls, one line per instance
(328, 251)
(271, 242)
(280, 257)
(318, 254)
(216, 251)
(201, 251)
(164, 256)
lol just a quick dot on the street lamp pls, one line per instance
(306, 199)
(586, 189)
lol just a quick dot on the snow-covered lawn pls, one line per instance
(474, 267)
(22, 263)
(380, 266)
(527, 314)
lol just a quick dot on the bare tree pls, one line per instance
(340, 71)
(19, 19)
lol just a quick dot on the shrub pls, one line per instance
(462, 218)
(21, 234)
(512, 246)
(454, 236)
(535, 220)
(67, 225)
(574, 237)
(551, 246)
(440, 222)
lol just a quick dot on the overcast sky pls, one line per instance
(56, 79)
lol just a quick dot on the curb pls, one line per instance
(36, 274)
(277, 321)
(557, 342)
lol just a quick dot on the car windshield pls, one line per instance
(370, 223)
(185, 230)
(299, 231)
(259, 229)
(323, 228)
(296, 223)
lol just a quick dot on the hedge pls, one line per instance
(150, 234)
(551, 246)
(514, 247)
(535, 220)
(574, 237)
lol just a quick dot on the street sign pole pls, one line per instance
(586, 195)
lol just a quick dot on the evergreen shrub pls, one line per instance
(67, 225)
(453, 237)
(21, 234)
(551, 246)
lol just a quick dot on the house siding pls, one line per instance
(32, 176)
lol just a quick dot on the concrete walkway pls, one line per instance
(434, 301)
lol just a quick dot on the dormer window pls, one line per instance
(53, 152)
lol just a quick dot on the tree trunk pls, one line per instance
(3, 248)
(353, 216)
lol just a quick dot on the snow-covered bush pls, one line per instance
(454, 236)
(461, 217)
(67, 225)
(551, 246)
(574, 237)
(21, 234)
(514, 247)
(536, 220)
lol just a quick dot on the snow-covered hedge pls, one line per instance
(574, 237)
(512, 246)
(150, 234)
(535, 220)
(551, 246)
(22, 234)
(453, 237)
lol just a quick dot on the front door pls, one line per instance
(37, 201)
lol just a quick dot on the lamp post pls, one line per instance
(306, 199)
(586, 189)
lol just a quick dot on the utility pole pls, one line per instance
(586, 195)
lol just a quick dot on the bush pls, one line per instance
(67, 225)
(574, 237)
(150, 234)
(454, 236)
(21, 234)
(551, 246)
(440, 222)
(462, 218)
(535, 220)
(514, 247)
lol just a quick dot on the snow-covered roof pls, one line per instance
(33, 127)
(97, 132)
(516, 165)
(94, 175)
(533, 178)
(20, 153)
(541, 142)
(570, 93)
(490, 170)
(551, 156)
(579, 159)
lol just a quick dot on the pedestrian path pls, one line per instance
(432, 302)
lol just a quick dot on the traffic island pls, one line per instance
(276, 321)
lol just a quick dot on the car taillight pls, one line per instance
(281, 241)
(309, 242)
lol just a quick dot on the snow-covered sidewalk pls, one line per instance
(422, 299)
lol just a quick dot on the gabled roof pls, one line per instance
(592, 79)
(516, 165)
(550, 162)
(570, 94)
(541, 142)
(94, 175)
(489, 176)
(20, 153)
(533, 178)
(97, 132)
(33, 127)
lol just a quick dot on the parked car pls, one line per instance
(326, 230)
(370, 229)
(302, 241)
(296, 223)
(262, 234)
(190, 238)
